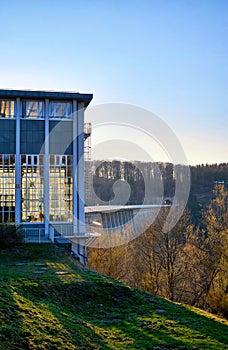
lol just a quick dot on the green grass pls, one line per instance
(61, 306)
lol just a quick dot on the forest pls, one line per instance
(189, 264)
(103, 174)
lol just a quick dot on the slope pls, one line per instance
(47, 301)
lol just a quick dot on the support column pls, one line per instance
(109, 223)
(134, 229)
(74, 168)
(121, 222)
(104, 220)
(117, 213)
(46, 170)
(18, 166)
(125, 217)
(80, 169)
(78, 180)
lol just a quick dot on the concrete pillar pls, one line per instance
(134, 230)
(80, 169)
(125, 216)
(103, 219)
(46, 169)
(74, 167)
(109, 221)
(117, 215)
(18, 166)
(121, 222)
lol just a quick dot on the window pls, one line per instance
(7, 109)
(7, 188)
(32, 188)
(60, 188)
(32, 109)
(60, 110)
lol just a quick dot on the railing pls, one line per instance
(35, 235)
(62, 229)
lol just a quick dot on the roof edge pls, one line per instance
(42, 94)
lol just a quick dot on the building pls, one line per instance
(41, 162)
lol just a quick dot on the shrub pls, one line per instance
(10, 236)
(218, 302)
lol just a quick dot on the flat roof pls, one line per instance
(41, 94)
(110, 208)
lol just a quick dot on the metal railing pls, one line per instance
(62, 229)
(35, 235)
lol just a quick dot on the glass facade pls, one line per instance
(32, 188)
(41, 181)
(36, 174)
(7, 108)
(32, 109)
(60, 110)
(7, 188)
(60, 188)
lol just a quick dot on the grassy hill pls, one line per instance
(48, 302)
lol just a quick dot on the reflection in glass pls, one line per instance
(7, 188)
(7, 109)
(60, 110)
(32, 183)
(32, 109)
(60, 188)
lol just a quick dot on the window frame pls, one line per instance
(52, 111)
(7, 188)
(8, 116)
(38, 115)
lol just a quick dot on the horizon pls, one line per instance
(158, 162)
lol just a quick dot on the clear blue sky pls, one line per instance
(168, 56)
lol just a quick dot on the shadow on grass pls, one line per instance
(11, 332)
(30, 321)
(83, 310)
(101, 314)
(133, 319)
(170, 325)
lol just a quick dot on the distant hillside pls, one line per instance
(47, 301)
(203, 178)
(105, 173)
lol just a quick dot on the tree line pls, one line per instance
(103, 175)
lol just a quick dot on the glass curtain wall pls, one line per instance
(32, 187)
(60, 188)
(7, 188)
